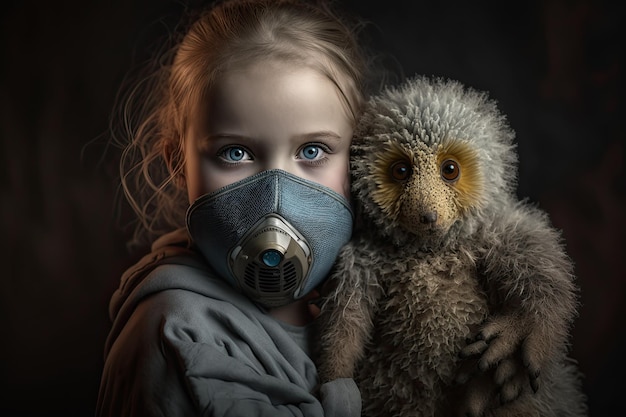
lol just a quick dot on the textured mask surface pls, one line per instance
(218, 222)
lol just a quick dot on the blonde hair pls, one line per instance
(230, 34)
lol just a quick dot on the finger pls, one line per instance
(505, 371)
(478, 396)
(510, 391)
(534, 383)
(473, 349)
(499, 348)
(314, 309)
(499, 325)
(534, 351)
(490, 330)
(314, 303)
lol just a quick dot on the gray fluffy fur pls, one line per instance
(475, 323)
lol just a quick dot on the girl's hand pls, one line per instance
(313, 300)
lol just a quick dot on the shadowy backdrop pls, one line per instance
(556, 68)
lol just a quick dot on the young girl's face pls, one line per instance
(269, 115)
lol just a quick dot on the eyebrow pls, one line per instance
(322, 134)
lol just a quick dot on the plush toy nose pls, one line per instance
(429, 217)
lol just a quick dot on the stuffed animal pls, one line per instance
(453, 297)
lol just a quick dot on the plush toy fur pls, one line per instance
(453, 297)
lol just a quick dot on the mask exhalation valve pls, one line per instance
(271, 257)
(271, 261)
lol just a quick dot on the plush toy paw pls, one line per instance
(509, 354)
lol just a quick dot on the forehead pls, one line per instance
(268, 92)
(298, 62)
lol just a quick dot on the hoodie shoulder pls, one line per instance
(172, 248)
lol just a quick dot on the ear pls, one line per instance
(173, 156)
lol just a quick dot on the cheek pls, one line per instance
(340, 184)
(346, 186)
(193, 178)
(197, 174)
(204, 177)
(339, 180)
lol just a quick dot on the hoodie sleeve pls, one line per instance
(341, 398)
(198, 349)
(140, 377)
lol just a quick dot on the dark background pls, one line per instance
(555, 67)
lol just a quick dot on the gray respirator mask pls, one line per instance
(274, 236)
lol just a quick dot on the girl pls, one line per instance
(243, 151)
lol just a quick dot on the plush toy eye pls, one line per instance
(400, 170)
(450, 170)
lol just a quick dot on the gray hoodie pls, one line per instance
(185, 343)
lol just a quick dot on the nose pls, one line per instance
(429, 217)
(278, 161)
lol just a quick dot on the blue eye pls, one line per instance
(311, 152)
(235, 154)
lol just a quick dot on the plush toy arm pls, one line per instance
(345, 322)
(530, 280)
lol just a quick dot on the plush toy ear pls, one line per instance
(172, 154)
